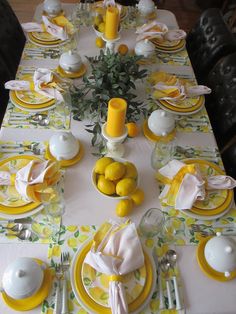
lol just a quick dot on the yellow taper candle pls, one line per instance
(112, 22)
(116, 117)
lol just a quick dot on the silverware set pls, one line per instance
(61, 273)
(209, 230)
(26, 119)
(163, 267)
(18, 230)
(209, 154)
(21, 148)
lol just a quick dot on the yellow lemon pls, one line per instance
(101, 27)
(71, 228)
(137, 197)
(99, 294)
(97, 20)
(56, 250)
(115, 171)
(131, 171)
(124, 207)
(100, 42)
(106, 186)
(72, 242)
(101, 164)
(132, 129)
(137, 289)
(123, 49)
(125, 186)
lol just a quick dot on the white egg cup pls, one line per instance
(110, 44)
(115, 146)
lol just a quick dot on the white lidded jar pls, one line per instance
(146, 7)
(52, 7)
(220, 254)
(70, 61)
(161, 122)
(22, 278)
(63, 146)
(145, 48)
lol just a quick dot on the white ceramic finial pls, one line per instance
(70, 52)
(228, 249)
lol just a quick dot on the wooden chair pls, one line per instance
(12, 37)
(221, 104)
(209, 41)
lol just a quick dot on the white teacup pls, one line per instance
(63, 146)
(70, 61)
(22, 278)
(161, 122)
(52, 7)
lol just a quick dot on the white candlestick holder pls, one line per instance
(110, 44)
(115, 146)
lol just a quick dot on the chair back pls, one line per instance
(5, 76)
(221, 105)
(209, 41)
(12, 37)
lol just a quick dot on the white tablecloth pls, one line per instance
(84, 205)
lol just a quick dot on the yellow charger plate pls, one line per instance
(17, 205)
(44, 37)
(206, 268)
(34, 300)
(168, 46)
(66, 163)
(44, 43)
(155, 138)
(166, 43)
(77, 74)
(216, 202)
(17, 101)
(89, 303)
(187, 106)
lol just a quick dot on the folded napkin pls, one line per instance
(33, 181)
(159, 31)
(116, 251)
(184, 184)
(59, 27)
(45, 82)
(161, 76)
(178, 92)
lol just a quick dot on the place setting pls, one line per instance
(177, 95)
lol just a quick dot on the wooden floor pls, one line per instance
(186, 11)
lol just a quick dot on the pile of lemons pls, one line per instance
(100, 19)
(116, 178)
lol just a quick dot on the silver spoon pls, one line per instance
(15, 228)
(165, 267)
(24, 234)
(171, 257)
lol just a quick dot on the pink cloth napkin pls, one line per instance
(117, 251)
(38, 174)
(53, 29)
(45, 83)
(192, 187)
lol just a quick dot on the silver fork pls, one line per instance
(65, 262)
(59, 275)
(205, 234)
(201, 227)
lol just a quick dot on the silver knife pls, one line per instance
(161, 295)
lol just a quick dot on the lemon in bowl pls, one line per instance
(115, 177)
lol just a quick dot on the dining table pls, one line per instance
(85, 208)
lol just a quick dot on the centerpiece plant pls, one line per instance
(112, 75)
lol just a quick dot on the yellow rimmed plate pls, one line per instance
(206, 268)
(31, 107)
(152, 137)
(185, 107)
(44, 37)
(43, 43)
(34, 300)
(11, 203)
(217, 201)
(66, 163)
(77, 74)
(93, 307)
(166, 43)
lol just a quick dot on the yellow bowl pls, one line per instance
(113, 196)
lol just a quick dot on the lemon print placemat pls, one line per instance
(72, 239)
